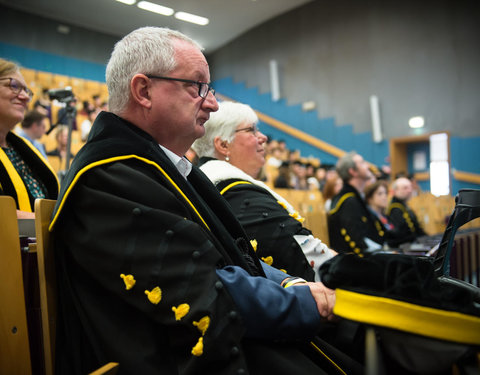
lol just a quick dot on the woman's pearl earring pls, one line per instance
(227, 158)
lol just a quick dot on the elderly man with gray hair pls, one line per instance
(155, 272)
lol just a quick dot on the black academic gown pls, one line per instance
(11, 183)
(126, 213)
(350, 221)
(267, 222)
(407, 227)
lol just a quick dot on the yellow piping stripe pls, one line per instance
(18, 184)
(114, 159)
(408, 317)
(328, 358)
(395, 205)
(340, 202)
(234, 184)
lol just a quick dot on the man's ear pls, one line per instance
(221, 146)
(352, 172)
(140, 89)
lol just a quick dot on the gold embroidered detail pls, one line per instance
(197, 350)
(343, 231)
(352, 244)
(129, 281)
(181, 310)
(268, 260)
(281, 269)
(155, 295)
(254, 244)
(347, 238)
(364, 219)
(202, 324)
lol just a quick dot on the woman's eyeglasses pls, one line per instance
(17, 87)
(249, 129)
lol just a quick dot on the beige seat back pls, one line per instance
(14, 344)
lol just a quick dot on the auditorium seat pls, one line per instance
(14, 342)
(47, 283)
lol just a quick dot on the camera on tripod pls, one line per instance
(62, 95)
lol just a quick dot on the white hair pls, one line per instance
(223, 124)
(147, 50)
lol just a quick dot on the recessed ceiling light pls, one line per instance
(416, 122)
(128, 2)
(146, 5)
(192, 18)
(62, 29)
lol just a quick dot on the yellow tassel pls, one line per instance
(282, 204)
(181, 310)
(202, 324)
(197, 350)
(128, 280)
(268, 260)
(254, 244)
(155, 295)
(297, 217)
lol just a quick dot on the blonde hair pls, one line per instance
(8, 67)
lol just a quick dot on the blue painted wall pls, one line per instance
(48, 62)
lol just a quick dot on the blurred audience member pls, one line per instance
(332, 187)
(402, 217)
(87, 124)
(299, 176)
(351, 226)
(61, 137)
(283, 179)
(34, 126)
(44, 104)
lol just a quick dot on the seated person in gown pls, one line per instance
(402, 216)
(24, 173)
(376, 196)
(154, 270)
(231, 155)
(351, 225)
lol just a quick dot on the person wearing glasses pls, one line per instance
(154, 271)
(24, 173)
(232, 155)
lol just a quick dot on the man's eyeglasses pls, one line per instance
(203, 87)
(17, 87)
(249, 129)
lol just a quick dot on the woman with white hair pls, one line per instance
(232, 154)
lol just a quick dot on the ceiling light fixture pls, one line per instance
(146, 5)
(416, 122)
(192, 18)
(128, 2)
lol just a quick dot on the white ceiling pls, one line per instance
(228, 18)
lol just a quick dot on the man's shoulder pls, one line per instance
(346, 199)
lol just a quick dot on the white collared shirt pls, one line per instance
(181, 163)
